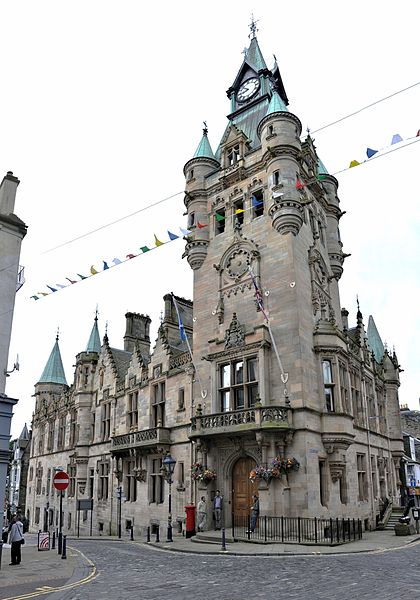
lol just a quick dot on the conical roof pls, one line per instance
(204, 149)
(276, 104)
(374, 340)
(254, 56)
(54, 371)
(94, 343)
(322, 170)
(24, 434)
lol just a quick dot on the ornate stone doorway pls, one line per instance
(242, 486)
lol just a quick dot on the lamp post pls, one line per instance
(169, 466)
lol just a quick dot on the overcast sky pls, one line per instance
(102, 104)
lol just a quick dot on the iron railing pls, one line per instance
(297, 530)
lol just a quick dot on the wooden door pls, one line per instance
(242, 486)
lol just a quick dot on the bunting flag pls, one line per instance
(42, 294)
(276, 195)
(371, 152)
(105, 265)
(321, 177)
(219, 217)
(354, 163)
(60, 286)
(131, 256)
(200, 226)
(51, 288)
(71, 280)
(93, 270)
(185, 231)
(81, 276)
(396, 138)
(418, 133)
(172, 236)
(255, 202)
(35, 297)
(238, 211)
(144, 249)
(157, 242)
(299, 185)
(116, 261)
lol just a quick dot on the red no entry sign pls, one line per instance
(61, 480)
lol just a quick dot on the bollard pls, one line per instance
(223, 540)
(132, 533)
(148, 534)
(60, 543)
(64, 553)
(157, 534)
(53, 541)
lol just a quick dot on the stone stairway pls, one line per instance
(395, 515)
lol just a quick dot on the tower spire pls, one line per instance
(94, 343)
(54, 371)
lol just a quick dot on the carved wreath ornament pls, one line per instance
(238, 263)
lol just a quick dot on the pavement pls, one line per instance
(44, 572)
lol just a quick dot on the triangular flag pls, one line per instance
(35, 297)
(276, 195)
(157, 242)
(93, 270)
(299, 185)
(116, 261)
(200, 226)
(71, 280)
(396, 138)
(81, 276)
(42, 294)
(131, 256)
(145, 249)
(219, 217)
(105, 265)
(60, 286)
(238, 211)
(418, 133)
(172, 236)
(370, 152)
(321, 177)
(51, 288)
(255, 201)
(184, 231)
(354, 163)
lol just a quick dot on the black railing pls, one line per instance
(297, 530)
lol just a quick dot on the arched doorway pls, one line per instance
(242, 486)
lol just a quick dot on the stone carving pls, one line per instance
(321, 298)
(235, 334)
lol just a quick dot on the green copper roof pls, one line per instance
(54, 372)
(321, 168)
(94, 343)
(276, 104)
(204, 149)
(374, 340)
(254, 56)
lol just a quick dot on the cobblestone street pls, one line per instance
(138, 571)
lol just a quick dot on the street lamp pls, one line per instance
(169, 466)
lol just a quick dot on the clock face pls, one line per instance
(248, 89)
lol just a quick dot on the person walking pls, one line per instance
(217, 507)
(16, 540)
(202, 514)
(255, 512)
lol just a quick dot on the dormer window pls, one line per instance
(233, 155)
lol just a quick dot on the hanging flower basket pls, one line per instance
(279, 466)
(200, 473)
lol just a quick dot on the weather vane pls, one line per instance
(205, 130)
(253, 28)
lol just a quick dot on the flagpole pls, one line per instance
(181, 329)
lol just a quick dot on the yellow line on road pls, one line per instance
(49, 590)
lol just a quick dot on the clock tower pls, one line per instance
(274, 354)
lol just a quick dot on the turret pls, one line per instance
(195, 171)
(86, 361)
(53, 379)
(279, 132)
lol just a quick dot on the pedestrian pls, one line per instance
(255, 511)
(202, 514)
(218, 507)
(16, 540)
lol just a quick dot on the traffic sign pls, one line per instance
(61, 480)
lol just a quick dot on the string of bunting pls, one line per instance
(255, 204)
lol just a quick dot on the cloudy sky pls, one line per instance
(102, 104)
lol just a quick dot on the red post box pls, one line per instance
(190, 521)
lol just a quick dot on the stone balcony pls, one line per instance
(238, 422)
(147, 438)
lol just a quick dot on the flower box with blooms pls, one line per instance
(200, 473)
(279, 466)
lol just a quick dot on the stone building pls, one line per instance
(18, 473)
(278, 374)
